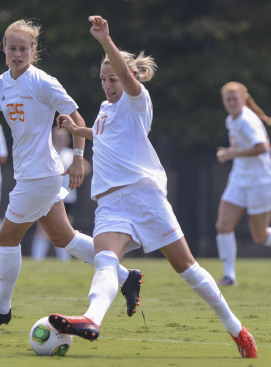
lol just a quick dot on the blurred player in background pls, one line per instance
(41, 242)
(249, 186)
(130, 186)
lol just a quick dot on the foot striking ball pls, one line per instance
(45, 340)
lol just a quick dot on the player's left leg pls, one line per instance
(259, 228)
(204, 285)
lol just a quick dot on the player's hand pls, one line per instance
(99, 29)
(225, 154)
(67, 122)
(76, 173)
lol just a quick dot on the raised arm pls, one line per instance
(100, 32)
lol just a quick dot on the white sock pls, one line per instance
(40, 246)
(227, 252)
(205, 286)
(82, 247)
(104, 286)
(268, 240)
(10, 266)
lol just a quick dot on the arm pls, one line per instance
(227, 154)
(76, 169)
(69, 124)
(100, 31)
(3, 160)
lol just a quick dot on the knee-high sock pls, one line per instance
(104, 286)
(10, 266)
(227, 251)
(82, 247)
(268, 240)
(204, 285)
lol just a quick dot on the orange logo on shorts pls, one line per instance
(17, 215)
(169, 232)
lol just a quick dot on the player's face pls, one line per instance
(111, 83)
(233, 102)
(18, 50)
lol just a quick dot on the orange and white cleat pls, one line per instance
(245, 344)
(75, 325)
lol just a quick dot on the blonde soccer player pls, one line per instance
(29, 99)
(129, 184)
(248, 188)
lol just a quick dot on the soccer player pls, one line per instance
(248, 188)
(129, 184)
(29, 99)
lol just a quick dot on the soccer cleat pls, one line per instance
(131, 290)
(5, 319)
(226, 281)
(75, 325)
(245, 344)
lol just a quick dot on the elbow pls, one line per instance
(3, 160)
(265, 148)
(262, 148)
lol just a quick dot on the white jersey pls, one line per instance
(29, 104)
(3, 151)
(245, 132)
(122, 152)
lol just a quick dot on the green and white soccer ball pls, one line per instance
(45, 340)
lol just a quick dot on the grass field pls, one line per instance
(179, 329)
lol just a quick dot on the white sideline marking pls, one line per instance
(160, 341)
(2, 331)
(172, 341)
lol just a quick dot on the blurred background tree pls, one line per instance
(198, 46)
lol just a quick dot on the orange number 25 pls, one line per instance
(15, 113)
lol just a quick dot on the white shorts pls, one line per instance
(142, 211)
(32, 199)
(256, 200)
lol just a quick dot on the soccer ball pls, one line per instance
(45, 340)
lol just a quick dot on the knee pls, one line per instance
(259, 237)
(60, 240)
(223, 226)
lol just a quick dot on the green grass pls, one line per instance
(179, 329)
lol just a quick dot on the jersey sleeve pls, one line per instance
(3, 145)
(254, 131)
(142, 104)
(55, 95)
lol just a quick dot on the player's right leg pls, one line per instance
(10, 263)
(229, 215)
(110, 247)
(77, 244)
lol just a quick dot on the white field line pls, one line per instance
(151, 340)
(172, 341)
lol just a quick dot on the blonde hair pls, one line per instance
(32, 30)
(142, 66)
(250, 103)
